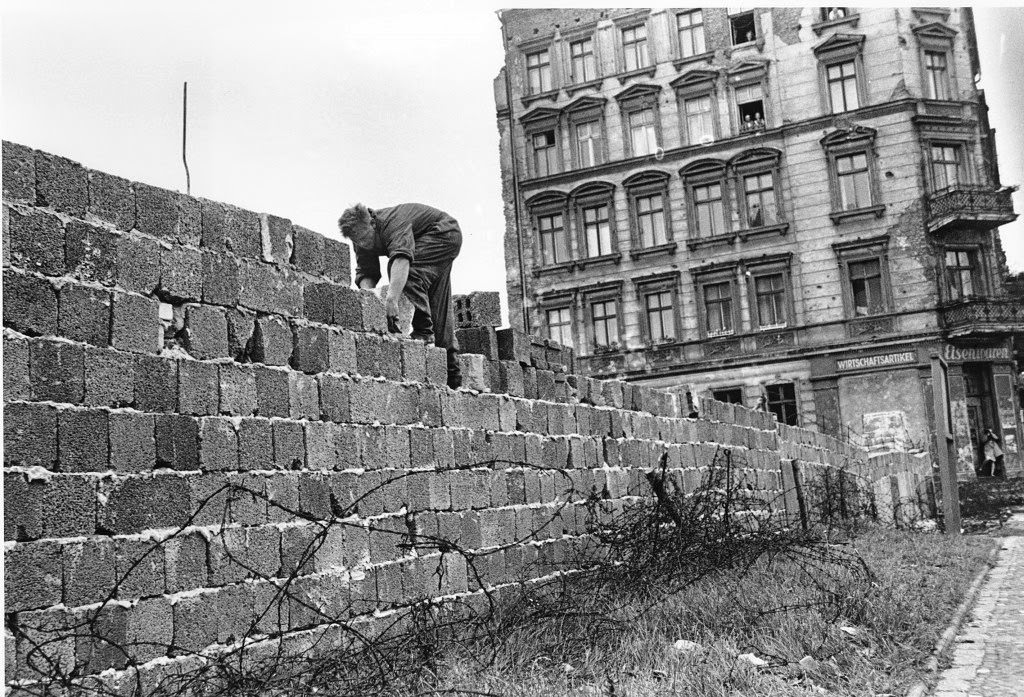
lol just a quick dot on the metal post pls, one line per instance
(184, 133)
(944, 446)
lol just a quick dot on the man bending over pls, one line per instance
(421, 244)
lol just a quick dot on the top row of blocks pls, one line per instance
(40, 179)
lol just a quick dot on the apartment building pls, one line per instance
(791, 208)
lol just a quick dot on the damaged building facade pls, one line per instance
(790, 208)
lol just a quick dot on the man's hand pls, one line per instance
(398, 275)
(391, 306)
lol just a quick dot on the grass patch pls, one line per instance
(782, 611)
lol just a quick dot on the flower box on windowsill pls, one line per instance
(666, 248)
(599, 261)
(764, 231)
(565, 266)
(640, 72)
(681, 63)
(605, 350)
(848, 20)
(697, 243)
(581, 86)
(528, 99)
(839, 217)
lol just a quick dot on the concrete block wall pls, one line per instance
(199, 410)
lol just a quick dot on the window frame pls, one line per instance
(844, 143)
(835, 50)
(700, 174)
(586, 110)
(858, 251)
(591, 195)
(700, 27)
(755, 21)
(703, 279)
(574, 78)
(603, 293)
(939, 38)
(746, 75)
(634, 100)
(795, 401)
(655, 284)
(715, 391)
(647, 47)
(780, 265)
(758, 162)
(697, 84)
(963, 169)
(979, 272)
(535, 51)
(566, 306)
(542, 205)
(533, 123)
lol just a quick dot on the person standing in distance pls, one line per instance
(421, 244)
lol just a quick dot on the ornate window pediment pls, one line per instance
(647, 178)
(592, 189)
(703, 168)
(588, 103)
(639, 94)
(748, 71)
(547, 199)
(936, 31)
(839, 44)
(756, 157)
(540, 115)
(849, 136)
(695, 80)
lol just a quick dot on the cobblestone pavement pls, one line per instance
(988, 658)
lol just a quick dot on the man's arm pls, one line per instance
(398, 274)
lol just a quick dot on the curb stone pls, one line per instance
(920, 688)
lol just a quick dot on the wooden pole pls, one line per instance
(944, 447)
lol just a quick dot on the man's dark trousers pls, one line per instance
(430, 289)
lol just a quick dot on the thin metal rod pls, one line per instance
(184, 135)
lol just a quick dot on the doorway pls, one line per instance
(981, 408)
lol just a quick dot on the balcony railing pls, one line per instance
(971, 205)
(989, 317)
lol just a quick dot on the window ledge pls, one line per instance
(838, 217)
(666, 248)
(599, 261)
(642, 72)
(681, 63)
(606, 350)
(727, 238)
(849, 20)
(550, 269)
(764, 231)
(528, 99)
(581, 86)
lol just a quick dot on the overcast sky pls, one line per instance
(302, 108)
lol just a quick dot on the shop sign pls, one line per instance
(958, 353)
(879, 361)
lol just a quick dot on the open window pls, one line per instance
(743, 28)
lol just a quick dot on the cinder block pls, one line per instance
(88, 571)
(231, 229)
(510, 378)
(384, 402)
(132, 441)
(220, 279)
(277, 238)
(321, 449)
(429, 405)
(149, 629)
(369, 350)
(472, 366)
(138, 264)
(266, 288)
(185, 562)
(414, 360)
(167, 214)
(370, 442)
(337, 261)
(111, 199)
(109, 377)
(19, 172)
(272, 341)
(136, 323)
(390, 358)
(429, 491)
(289, 445)
(33, 575)
(348, 308)
(181, 274)
(61, 184)
(195, 626)
(334, 397)
(82, 440)
(272, 391)
(311, 352)
(23, 508)
(396, 447)
(91, 253)
(237, 390)
(481, 340)
(218, 444)
(156, 384)
(16, 375)
(134, 504)
(303, 396)
(241, 326)
(198, 388)
(30, 304)
(206, 331)
(318, 302)
(57, 371)
(68, 506)
(480, 309)
(177, 442)
(255, 444)
(341, 348)
(315, 495)
(308, 251)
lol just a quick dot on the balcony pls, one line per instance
(965, 205)
(982, 317)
